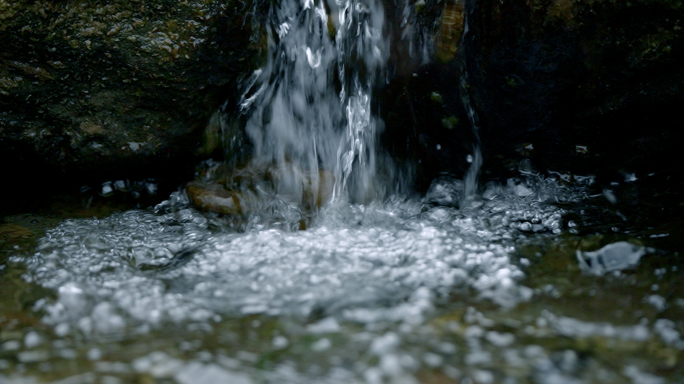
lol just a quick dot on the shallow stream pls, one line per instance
(379, 287)
(399, 292)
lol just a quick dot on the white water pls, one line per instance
(310, 110)
(364, 264)
(379, 266)
(475, 159)
(310, 104)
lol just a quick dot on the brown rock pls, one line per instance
(246, 191)
(110, 88)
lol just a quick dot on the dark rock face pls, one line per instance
(590, 87)
(426, 125)
(115, 89)
(593, 85)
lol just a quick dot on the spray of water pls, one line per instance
(309, 105)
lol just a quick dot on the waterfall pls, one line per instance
(475, 159)
(309, 105)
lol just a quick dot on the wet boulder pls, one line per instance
(279, 193)
(94, 89)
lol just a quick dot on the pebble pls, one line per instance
(33, 356)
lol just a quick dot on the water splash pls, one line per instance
(380, 262)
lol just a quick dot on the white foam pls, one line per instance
(366, 264)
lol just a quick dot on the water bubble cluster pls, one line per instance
(366, 264)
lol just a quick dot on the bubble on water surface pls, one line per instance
(639, 377)
(367, 264)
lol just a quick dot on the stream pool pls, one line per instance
(398, 292)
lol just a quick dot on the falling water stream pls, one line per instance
(361, 295)
(310, 104)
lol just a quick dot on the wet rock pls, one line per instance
(116, 88)
(256, 187)
(14, 231)
(593, 85)
(445, 191)
(451, 25)
(427, 128)
(427, 125)
(214, 198)
(588, 87)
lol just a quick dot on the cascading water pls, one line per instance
(475, 160)
(380, 267)
(310, 104)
